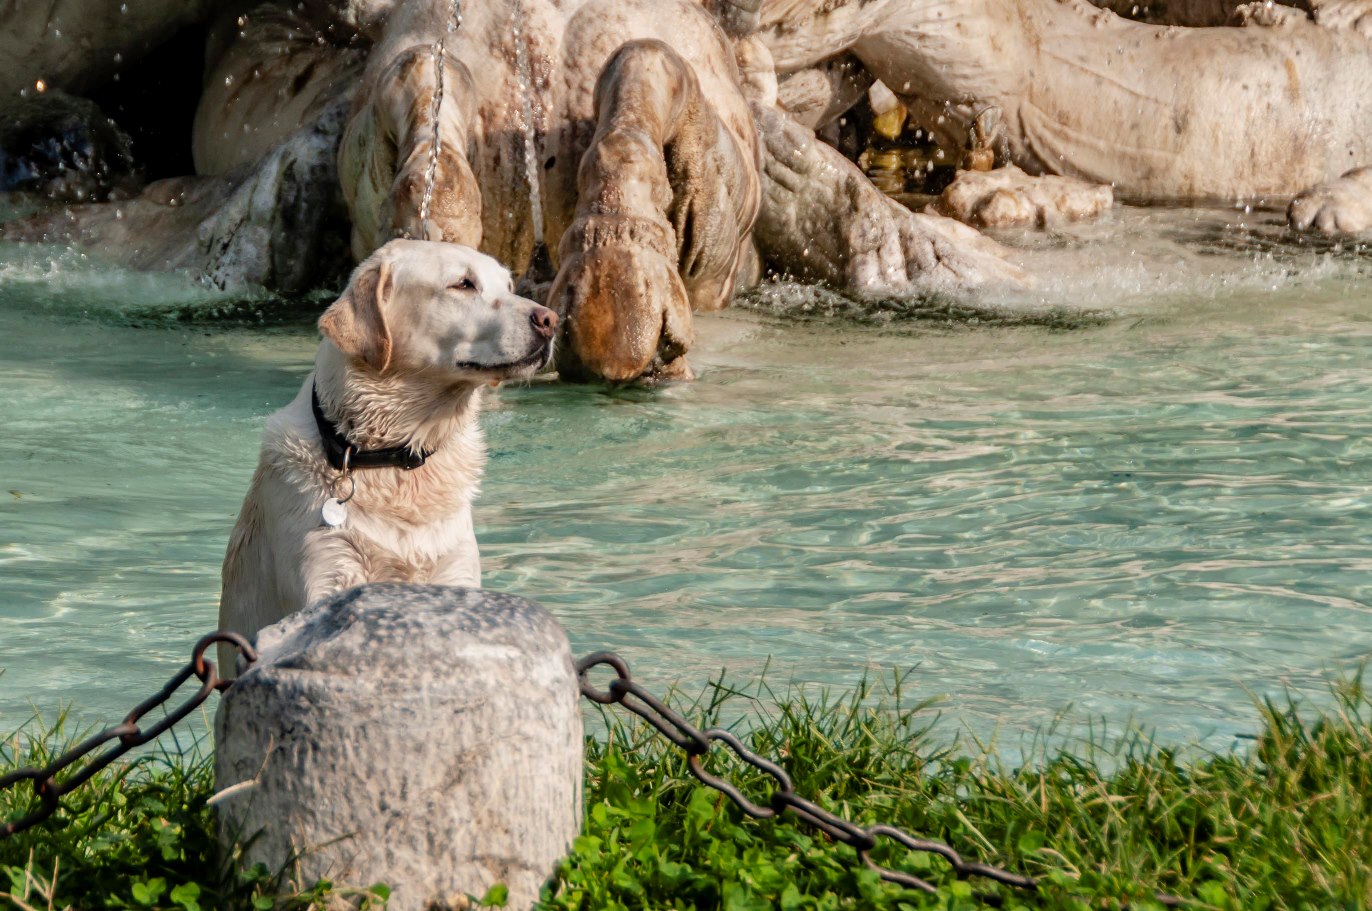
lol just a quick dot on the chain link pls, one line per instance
(624, 690)
(125, 736)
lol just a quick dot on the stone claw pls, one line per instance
(1008, 197)
(1347, 15)
(1264, 14)
(897, 251)
(823, 220)
(1341, 15)
(1342, 206)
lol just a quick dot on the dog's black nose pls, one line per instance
(544, 320)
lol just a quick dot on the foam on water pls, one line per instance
(1133, 262)
(1143, 518)
(1141, 260)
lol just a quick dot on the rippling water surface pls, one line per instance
(1151, 517)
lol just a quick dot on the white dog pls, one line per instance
(369, 474)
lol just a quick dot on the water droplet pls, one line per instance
(123, 8)
(228, 80)
(118, 57)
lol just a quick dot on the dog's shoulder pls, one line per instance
(291, 447)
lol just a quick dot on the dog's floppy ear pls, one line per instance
(356, 322)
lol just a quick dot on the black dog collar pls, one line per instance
(344, 456)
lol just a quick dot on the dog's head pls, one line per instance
(423, 305)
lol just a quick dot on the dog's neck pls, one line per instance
(373, 410)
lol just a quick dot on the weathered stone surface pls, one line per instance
(423, 736)
(271, 224)
(1193, 13)
(815, 97)
(279, 67)
(738, 18)
(77, 44)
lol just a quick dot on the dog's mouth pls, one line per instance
(537, 359)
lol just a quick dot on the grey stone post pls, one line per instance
(421, 736)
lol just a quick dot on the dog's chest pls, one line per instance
(436, 552)
(386, 566)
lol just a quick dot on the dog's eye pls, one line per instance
(465, 285)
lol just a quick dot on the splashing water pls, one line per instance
(528, 112)
(440, 51)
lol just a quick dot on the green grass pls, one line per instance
(1285, 824)
(138, 835)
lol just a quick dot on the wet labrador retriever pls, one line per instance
(369, 474)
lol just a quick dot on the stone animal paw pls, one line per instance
(902, 252)
(1008, 197)
(823, 220)
(1350, 15)
(1342, 206)
(1265, 14)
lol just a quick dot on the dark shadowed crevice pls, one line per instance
(154, 100)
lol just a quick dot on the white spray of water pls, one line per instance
(440, 51)
(528, 113)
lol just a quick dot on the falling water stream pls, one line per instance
(440, 51)
(530, 115)
(528, 112)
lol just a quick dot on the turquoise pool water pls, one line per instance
(1146, 518)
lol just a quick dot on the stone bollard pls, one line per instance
(424, 737)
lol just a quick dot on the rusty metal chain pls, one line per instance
(126, 735)
(697, 744)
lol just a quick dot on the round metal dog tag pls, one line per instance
(334, 512)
